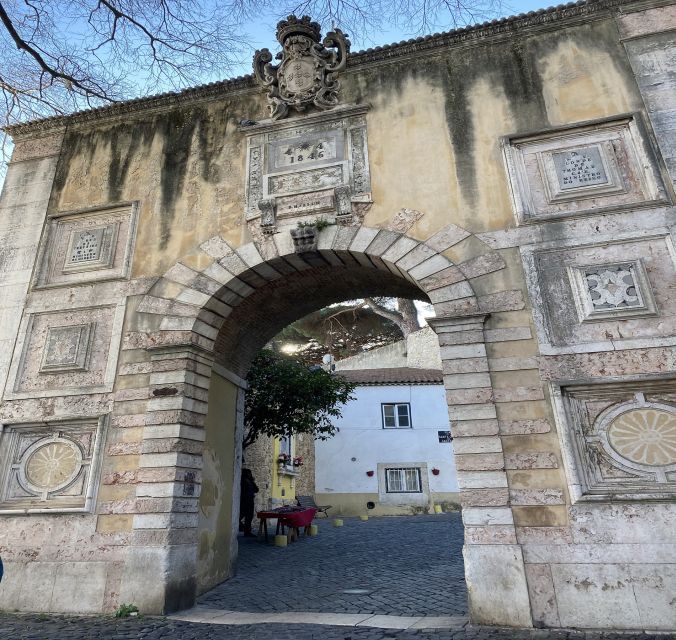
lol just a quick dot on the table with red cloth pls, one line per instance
(292, 517)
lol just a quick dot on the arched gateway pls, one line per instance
(520, 184)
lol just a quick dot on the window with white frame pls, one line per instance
(403, 480)
(396, 415)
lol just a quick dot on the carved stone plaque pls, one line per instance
(305, 151)
(67, 348)
(303, 181)
(66, 352)
(50, 466)
(294, 169)
(582, 168)
(579, 168)
(305, 203)
(612, 291)
(624, 443)
(86, 246)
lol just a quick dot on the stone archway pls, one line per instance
(220, 304)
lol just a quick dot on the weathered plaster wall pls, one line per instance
(434, 129)
(217, 540)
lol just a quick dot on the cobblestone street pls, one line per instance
(403, 566)
(407, 566)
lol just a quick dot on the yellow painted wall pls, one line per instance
(283, 485)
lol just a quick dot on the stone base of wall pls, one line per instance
(355, 504)
(58, 587)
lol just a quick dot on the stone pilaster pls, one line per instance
(497, 590)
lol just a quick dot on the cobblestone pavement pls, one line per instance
(407, 566)
(22, 627)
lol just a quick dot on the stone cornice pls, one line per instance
(543, 18)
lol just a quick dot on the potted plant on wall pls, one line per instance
(298, 461)
(283, 459)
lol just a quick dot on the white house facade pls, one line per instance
(392, 453)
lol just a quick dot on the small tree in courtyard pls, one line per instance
(286, 398)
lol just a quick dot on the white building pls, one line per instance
(392, 453)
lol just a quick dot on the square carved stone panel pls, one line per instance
(87, 246)
(302, 169)
(582, 169)
(603, 294)
(66, 352)
(619, 440)
(618, 290)
(45, 466)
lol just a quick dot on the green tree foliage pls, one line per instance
(286, 397)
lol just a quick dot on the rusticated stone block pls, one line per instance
(480, 462)
(541, 516)
(123, 448)
(544, 535)
(524, 427)
(498, 534)
(164, 445)
(531, 460)
(484, 497)
(481, 265)
(528, 497)
(120, 477)
(475, 428)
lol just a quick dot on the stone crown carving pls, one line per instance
(307, 73)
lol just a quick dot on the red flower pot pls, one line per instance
(369, 473)
(435, 471)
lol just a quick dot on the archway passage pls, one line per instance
(204, 321)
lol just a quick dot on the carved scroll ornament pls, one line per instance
(307, 74)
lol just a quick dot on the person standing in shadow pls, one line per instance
(249, 489)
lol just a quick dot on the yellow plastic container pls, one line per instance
(363, 518)
(438, 509)
(314, 530)
(337, 522)
(281, 541)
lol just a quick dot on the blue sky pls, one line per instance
(262, 31)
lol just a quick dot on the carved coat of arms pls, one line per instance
(307, 73)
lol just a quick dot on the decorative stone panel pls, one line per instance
(86, 246)
(611, 291)
(583, 168)
(619, 440)
(66, 353)
(50, 466)
(298, 170)
(602, 294)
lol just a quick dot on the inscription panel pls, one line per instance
(305, 151)
(582, 169)
(306, 202)
(87, 246)
(579, 168)
(291, 166)
(50, 466)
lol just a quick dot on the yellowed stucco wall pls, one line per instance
(216, 537)
(432, 126)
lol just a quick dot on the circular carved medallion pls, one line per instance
(645, 436)
(53, 465)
